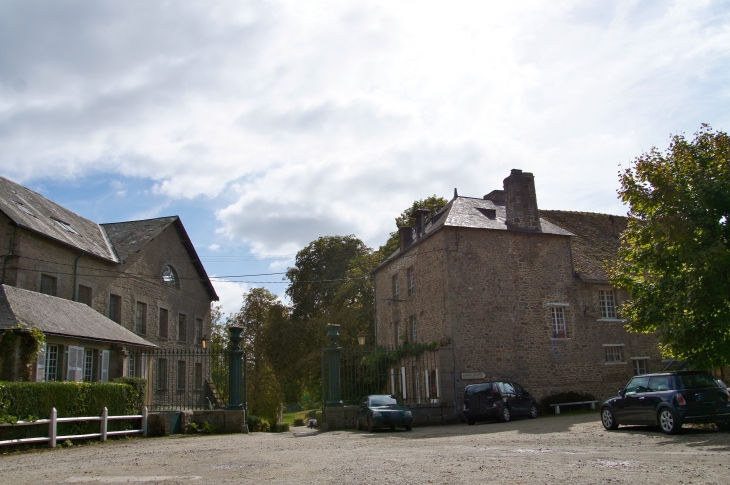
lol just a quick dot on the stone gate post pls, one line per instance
(235, 357)
(333, 357)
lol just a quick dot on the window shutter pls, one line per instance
(71, 361)
(79, 377)
(104, 366)
(41, 365)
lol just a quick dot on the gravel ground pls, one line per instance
(567, 449)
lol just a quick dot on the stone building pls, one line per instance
(143, 275)
(510, 292)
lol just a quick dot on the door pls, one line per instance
(522, 401)
(512, 401)
(660, 389)
(629, 409)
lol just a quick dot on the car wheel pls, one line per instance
(371, 426)
(723, 426)
(533, 411)
(608, 419)
(505, 415)
(470, 421)
(409, 427)
(668, 421)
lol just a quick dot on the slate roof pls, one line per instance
(60, 317)
(130, 237)
(476, 214)
(42, 216)
(596, 239)
(113, 242)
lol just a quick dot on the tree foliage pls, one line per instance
(675, 258)
(433, 203)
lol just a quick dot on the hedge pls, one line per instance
(28, 401)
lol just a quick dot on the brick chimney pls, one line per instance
(521, 201)
(406, 237)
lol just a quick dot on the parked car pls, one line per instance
(383, 411)
(501, 400)
(669, 400)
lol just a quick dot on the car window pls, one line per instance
(637, 384)
(660, 383)
(518, 388)
(474, 388)
(700, 380)
(508, 388)
(500, 385)
(383, 401)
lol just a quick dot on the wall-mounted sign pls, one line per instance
(472, 375)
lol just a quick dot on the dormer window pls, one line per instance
(489, 213)
(169, 277)
(22, 207)
(65, 225)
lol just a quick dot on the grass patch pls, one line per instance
(289, 418)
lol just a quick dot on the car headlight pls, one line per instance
(408, 414)
(377, 414)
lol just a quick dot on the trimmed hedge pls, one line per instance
(29, 401)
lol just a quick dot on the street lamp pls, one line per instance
(204, 341)
(361, 340)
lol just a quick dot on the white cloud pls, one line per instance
(231, 295)
(214, 247)
(316, 118)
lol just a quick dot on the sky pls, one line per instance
(267, 124)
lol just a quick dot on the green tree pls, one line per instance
(320, 293)
(264, 394)
(675, 258)
(433, 203)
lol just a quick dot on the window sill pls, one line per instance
(559, 338)
(611, 320)
(614, 363)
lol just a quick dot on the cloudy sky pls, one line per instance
(265, 124)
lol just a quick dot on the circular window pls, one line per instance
(169, 277)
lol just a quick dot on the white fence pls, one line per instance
(53, 421)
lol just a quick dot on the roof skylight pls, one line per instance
(66, 226)
(22, 207)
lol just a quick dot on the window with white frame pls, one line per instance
(557, 317)
(607, 301)
(52, 363)
(131, 366)
(614, 353)
(411, 281)
(88, 365)
(414, 329)
(641, 365)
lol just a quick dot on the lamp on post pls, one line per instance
(361, 339)
(204, 341)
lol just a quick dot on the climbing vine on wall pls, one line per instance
(31, 343)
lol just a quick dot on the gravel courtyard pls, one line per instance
(550, 450)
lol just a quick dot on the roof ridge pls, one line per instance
(139, 220)
(581, 212)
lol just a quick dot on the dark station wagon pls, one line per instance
(669, 400)
(501, 400)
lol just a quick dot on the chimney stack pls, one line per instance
(406, 237)
(521, 202)
(420, 216)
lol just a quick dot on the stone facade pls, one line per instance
(117, 269)
(513, 303)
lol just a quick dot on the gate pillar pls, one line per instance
(333, 357)
(235, 357)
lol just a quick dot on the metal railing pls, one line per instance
(364, 371)
(54, 420)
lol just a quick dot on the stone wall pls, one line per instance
(490, 292)
(136, 280)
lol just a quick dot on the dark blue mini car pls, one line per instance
(668, 400)
(383, 411)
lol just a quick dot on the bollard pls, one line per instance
(104, 422)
